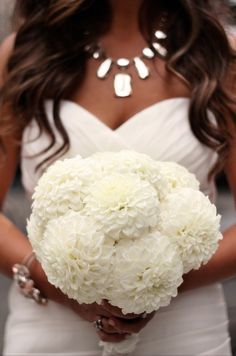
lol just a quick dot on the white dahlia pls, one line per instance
(190, 220)
(60, 188)
(146, 274)
(176, 176)
(35, 229)
(123, 205)
(126, 162)
(75, 257)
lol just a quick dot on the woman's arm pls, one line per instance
(221, 266)
(13, 244)
(223, 263)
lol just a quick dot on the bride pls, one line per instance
(82, 76)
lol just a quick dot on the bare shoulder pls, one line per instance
(6, 49)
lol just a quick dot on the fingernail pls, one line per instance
(111, 322)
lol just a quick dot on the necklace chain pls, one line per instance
(122, 79)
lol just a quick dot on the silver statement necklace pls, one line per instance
(122, 79)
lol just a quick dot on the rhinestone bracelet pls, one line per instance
(23, 280)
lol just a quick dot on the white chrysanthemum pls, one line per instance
(126, 162)
(58, 173)
(123, 205)
(146, 274)
(60, 188)
(75, 257)
(190, 220)
(63, 186)
(35, 229)
(176, 176)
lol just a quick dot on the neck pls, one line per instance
(125, 17)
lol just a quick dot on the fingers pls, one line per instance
(107, 328)
(129, 326)
(111, 337)
(107, 332)
(116, 329)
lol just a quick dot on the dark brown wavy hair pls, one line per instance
(48, 61)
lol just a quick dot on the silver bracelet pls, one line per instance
(23, 280)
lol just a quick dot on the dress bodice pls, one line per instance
(162, 131)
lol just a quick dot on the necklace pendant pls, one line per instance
(160, 49)
(148, 53)
(122, 85)
(123, 62)
(142, 69)
(104, 68)
(160, 35)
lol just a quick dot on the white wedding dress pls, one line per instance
(195, 323)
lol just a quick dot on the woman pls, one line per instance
(63, 94)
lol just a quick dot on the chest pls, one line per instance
(98, 96)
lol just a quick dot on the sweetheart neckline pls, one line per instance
(132, 118)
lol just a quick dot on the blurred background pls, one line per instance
(17, 207)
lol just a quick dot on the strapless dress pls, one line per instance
(195, 323)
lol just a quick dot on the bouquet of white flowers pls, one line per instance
(123, 227)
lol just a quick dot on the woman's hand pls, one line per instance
(115, 326)
(92, 313)
(128, 323)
